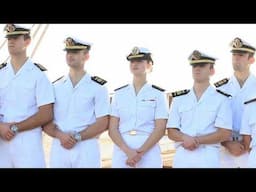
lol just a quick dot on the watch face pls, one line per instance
(14, 128)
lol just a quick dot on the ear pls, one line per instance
(149, 67)
(27, 42)
(212, 71)
(87, 56)
(251, 60)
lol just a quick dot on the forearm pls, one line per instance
(246, 141)
(116, 137)
(115, 134)
(220, 135)
(155, 136)
(153, 139)
(42, 117)
(95, 129)
(175, 135)
(51, 129)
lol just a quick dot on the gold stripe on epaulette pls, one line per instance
(179, 93)
(221, 82)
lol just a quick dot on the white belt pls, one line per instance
(136, 132)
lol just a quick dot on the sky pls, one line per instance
(170, 45)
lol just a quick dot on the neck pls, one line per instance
(242, 77)
(76, 76)
(17, 61)
(139, 82)
(199, 88)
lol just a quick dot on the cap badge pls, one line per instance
(10, 28)
(196, 55)
(69, 42)
(237, 43)
(135, 51)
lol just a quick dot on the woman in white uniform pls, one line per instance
(139, 114)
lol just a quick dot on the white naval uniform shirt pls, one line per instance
(22, 93)
(139, 112)
(78, 107)
(201, 117)
(239, 96)
(249, 128)
(249, 122)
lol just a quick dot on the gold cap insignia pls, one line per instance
(10, 28)
(69, 42)
(196, 55)
(135, 51)
(237, 43)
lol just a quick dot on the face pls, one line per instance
(17, 44)
(202, 72)
(140, 67)
(76, 58)
(241, 61)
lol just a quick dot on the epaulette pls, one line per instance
(221, 82)
(3, 65)
(58, 79)
(250, 101)
(158, 88)
(223, 93)
(99, 80)
(121, 87)
(41, 67)
(179, 93)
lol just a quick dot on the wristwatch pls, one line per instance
(14, 129)
(78, 137)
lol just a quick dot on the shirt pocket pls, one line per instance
(27, 92)
(84, 107)
(61, 110)
(125, 111)
(3, 90)
(3, 93)
(186, 114)
(146, 109)
(209, 115)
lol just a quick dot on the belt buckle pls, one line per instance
(133, 132)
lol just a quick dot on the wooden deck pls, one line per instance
(107, 147)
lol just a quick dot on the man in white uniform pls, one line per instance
(240, 86)
(199, 118)
(27, 98)
(80, 112)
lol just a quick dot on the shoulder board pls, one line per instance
(223, 93)
(221, 82)
(3, 65)
(41, 67)
(250, 101)
(98, 80)
(121, 87)
(179, 93)
(58, 79)
(158, 88)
